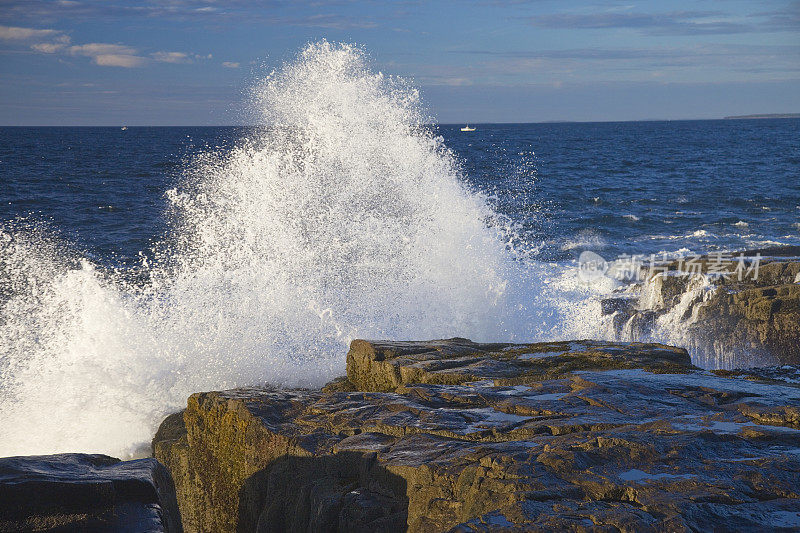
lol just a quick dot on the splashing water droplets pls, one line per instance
(342, 217)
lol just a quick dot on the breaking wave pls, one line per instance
(344, 217)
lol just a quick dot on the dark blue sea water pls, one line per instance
(615, 188)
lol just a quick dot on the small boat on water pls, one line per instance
(123, 128)
(467, 128)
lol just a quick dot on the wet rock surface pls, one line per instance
(454, 435)
(748, 318)
(80, 492)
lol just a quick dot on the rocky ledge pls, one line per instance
(454, 435)
(727, 319)
(80, 492)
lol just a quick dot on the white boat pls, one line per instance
(123, 128)
(467, 128)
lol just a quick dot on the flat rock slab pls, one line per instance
(80, 492)
(454, 435)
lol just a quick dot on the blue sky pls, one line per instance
(189, 62)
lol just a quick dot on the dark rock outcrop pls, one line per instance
(454, 435)
(79, 492)
(753, 321)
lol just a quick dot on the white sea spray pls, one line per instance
(344, 217)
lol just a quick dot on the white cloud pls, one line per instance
(178, 57)
(50, 41)
(48, 48)
(14, 33)
(171, 57)
(96, 49)
(118, 60)
(230, 64)
(46, 41)
(109, 55)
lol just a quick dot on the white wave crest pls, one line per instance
(344, 217)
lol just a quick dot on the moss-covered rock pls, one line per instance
(761, 320)
(752, 321)
(429, 436)
(385, 366)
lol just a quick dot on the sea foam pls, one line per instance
(344, 217)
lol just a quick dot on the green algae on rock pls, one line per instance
(440, 435)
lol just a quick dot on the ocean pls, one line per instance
(613, 187)
(140, 265)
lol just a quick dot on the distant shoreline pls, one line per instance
(766, 115)
(732, 117)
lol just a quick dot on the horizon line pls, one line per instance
(756, 116)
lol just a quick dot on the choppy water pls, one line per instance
(624, 187)
(152, 263)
